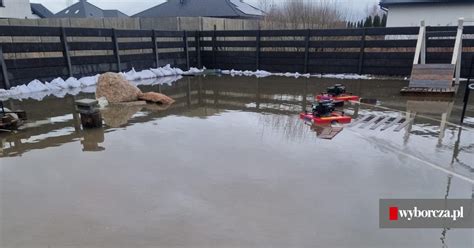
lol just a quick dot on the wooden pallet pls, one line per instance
(374, 122)
(426, 91)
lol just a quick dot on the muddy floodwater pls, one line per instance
(230, 164)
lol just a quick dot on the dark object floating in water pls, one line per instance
(337, 93)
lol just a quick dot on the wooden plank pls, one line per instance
(87, 46)
(336, 44)
(229, 43)
(134, 33)
(393, 31)
(360, 120)
(402, 125)
(91, 60)
(89, 32)
(29, 31)
(368, 123)
(32, 47)
(390, 124)
(135, 45)
(381, 122)
(34, 62)
(284, 43)
(390, 43)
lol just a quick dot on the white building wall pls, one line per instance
(16, 9)
(434, 15)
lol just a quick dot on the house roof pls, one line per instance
(84, 9)
(41, 11)
(386, 3)
(208, 8)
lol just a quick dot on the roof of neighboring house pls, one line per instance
(41, 11)
(386, 3)
(114, 13)
(208, 8)
(84, 9)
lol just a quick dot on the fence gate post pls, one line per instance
(197, 40)
(116, 49)
(186, 48)
(361, 53)
(214, 47)
(306, 51)
(66, 54)
(6, 80)
(257, 49)
(155, 48)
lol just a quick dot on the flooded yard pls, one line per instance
(230, 164)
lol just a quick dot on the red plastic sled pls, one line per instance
(335, 117)
(338, 98)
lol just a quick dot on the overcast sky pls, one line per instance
(358, 7)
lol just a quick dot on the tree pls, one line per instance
(384, 21)
(377, 22)
(368, 22)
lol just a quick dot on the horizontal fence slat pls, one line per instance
(335, 44)
(89, 60)
(75, 46)
(133, 33)
(31, 47)
(389, 43)
(34, 63)
(135, 45)
(88, 32)
(283, 43)
(29, 31)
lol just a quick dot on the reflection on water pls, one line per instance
(231, 164)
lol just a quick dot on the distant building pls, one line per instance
(435, 12)
(39, 11)
(207, 8)
(84, 9)
(15, 9)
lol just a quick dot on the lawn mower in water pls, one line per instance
(324, 112)
(337, 93)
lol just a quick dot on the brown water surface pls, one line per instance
(230, 164)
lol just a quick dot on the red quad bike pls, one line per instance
(323, 112)
(338, 94)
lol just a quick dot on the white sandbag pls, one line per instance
(59, 82)
(157, 72)
(37, 86)
(89, 81)
(72, 82)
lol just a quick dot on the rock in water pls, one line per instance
(115, 88)
(156, 97)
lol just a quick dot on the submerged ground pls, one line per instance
(230, 164)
